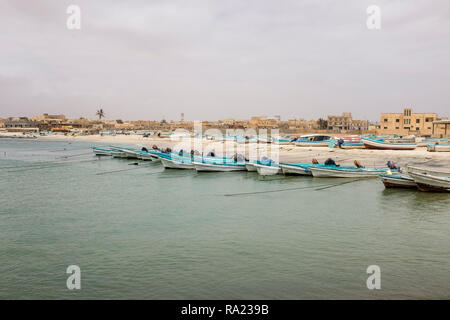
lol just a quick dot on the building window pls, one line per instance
(397, 128)
(397, 120)
(406, 121)
(385, 128)
(417, 120)
(385, 120)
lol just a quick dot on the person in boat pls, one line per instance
(358, 164)
(144, 149)
(155, 147)
(340, 142)
(330, 162)
(180, 153)
(211, 154)
(314, 161)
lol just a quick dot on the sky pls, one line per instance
(212, 59)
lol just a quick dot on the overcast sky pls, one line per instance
(224, 58)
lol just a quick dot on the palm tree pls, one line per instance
(100, 114)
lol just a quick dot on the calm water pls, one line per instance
(142, 232)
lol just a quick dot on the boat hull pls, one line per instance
(173, 164)
(438, 147)
(396, 181)
(428, 171)
(102, 152)
(250, 167)
(295, 170)
(312, 144)
(340, 173)
(372, 144)
(427, 182)
(267, 170)
(211, 167)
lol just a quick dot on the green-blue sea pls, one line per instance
(142, 232)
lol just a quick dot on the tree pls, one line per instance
(100, 114)
(323, 124)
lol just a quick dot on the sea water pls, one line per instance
(139, 231)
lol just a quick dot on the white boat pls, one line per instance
(313, 140)
(397, 181)
(250, 166)
(149, 156)
(175, 164)
(429, 171)
(383, 145)
(427, 182)
(264, 170)
(295, 169)
(345, 172)
(103, 152)
(218, 167)
(438, 147)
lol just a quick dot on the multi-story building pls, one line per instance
(407, 123)
(346, 122)
(20, 124)
(441, 128)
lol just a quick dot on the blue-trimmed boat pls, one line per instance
(383, 145)
(313, 140)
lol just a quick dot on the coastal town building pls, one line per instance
(20, 124)
(345, 122)
(407, 123)
(441, 128)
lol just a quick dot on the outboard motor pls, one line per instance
(358, 164)
(391, 165)
(330, 162)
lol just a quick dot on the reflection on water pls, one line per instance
(144, 232)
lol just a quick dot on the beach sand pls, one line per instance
(287, 153)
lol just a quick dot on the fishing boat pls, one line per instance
(330, 171)
(348, 142)
(218, 167)
(383, 145)
(439, 172)
(282, 140)
(397, 180)
(296, 169)
(267, 170)
(180, 163)
(103, 151)
(353, 145)
(438, 147)
(313, 140)
(250, 166)
(427, 182)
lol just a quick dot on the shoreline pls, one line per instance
(287, 153)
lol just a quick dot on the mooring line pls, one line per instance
(54, 165)
(268, 191)
(121, 170)
(338, 184)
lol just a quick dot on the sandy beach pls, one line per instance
(287, 153)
